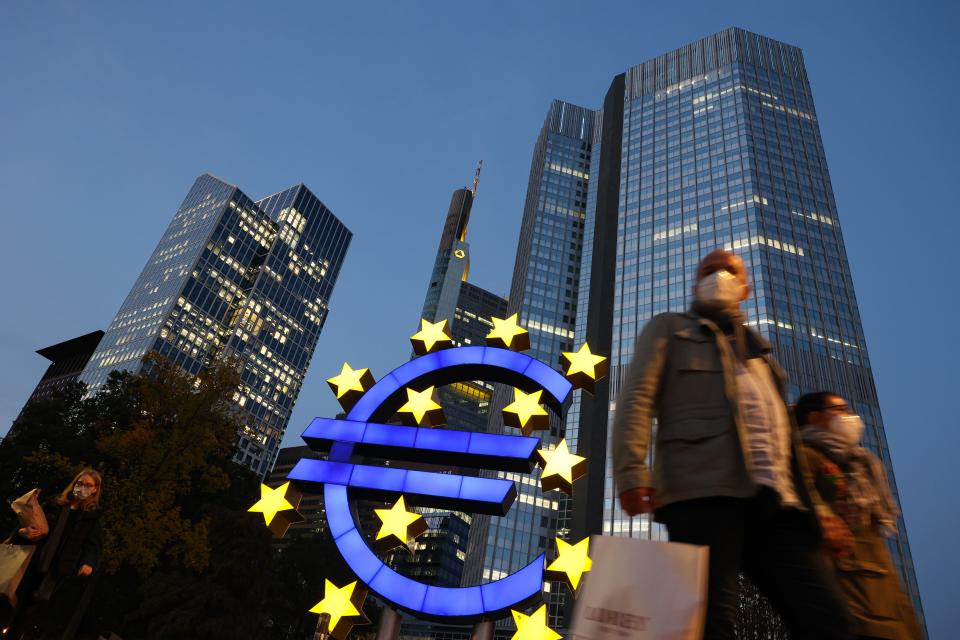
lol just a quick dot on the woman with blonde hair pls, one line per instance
(59, 582)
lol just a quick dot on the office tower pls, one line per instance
(543, 291)
(452, 264)
(439, 554)
(466, 307)
(232, 277)
(67, 360)
(717, 144)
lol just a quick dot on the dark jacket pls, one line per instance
(874, 593)
(54, 598)
(75, 539)
(683, 375)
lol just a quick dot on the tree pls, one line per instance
(174, 503)
(226, 600)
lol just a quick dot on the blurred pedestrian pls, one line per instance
(726, 470)
(58, 585)
(852, 483)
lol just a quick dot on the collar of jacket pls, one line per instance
(758, 344)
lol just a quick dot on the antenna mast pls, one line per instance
(476, 178)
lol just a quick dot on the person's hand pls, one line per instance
(31, 533)
(836, 536)
(637, 500)
(85, 571)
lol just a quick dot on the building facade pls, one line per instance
(232, 277)
(543, 291)
(716, 144)
(439, 555)
(67, 360)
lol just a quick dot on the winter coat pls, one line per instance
(75, 539)
(874, 593)
(54, 598)
(683, 374)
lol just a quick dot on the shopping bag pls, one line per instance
(30, 513)
(642, 589)
(14, 559)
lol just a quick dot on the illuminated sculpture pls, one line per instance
(408, 392)
(399, 527)
(279, 507)
(560, 468)
(344, 605)
(573, 560)
(584, 368)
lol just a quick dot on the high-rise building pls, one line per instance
(466, 307)
(67, 360)
(543, 292)
(439, 555)
(452, 264)
(716, 144)
(234, 277)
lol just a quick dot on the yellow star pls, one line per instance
(571, 563)
(560, 468)
(534, 626)
(271, 501)
(341, 603)
(279, 507)
(507, 334)
(399, 526)
(583, 368)
(421, 409)
(432, 336)
(525, 412)
(350, 384)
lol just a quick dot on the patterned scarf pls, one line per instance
(866, 480)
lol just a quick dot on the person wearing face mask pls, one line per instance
(58, 584)
(852, 482)
(726, 469)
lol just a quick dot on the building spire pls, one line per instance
(476, 179)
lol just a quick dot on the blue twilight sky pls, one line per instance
(108, 111)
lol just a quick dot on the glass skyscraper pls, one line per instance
(440, 554)
(467, 309)
(234, 277)
(544, 292)
(716, 144)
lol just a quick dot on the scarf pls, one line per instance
(867, 484)
(730, 319)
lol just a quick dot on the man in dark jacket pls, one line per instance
(726, 473)
(852, 484)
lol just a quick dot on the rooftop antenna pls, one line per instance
(476, 179)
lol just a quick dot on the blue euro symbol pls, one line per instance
(363, 433)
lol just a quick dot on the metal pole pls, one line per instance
(323, 627)
(389, 628)
(483, 630)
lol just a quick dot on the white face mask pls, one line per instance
(849, 427)
(720, 287)
(81, 492)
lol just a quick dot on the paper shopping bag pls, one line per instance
(642, 589)
(30, 513)
(14, 559)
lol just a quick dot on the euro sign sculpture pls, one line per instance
(344, 476)
(363, 433)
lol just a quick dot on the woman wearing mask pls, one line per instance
(59, 582)
(852, 483)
